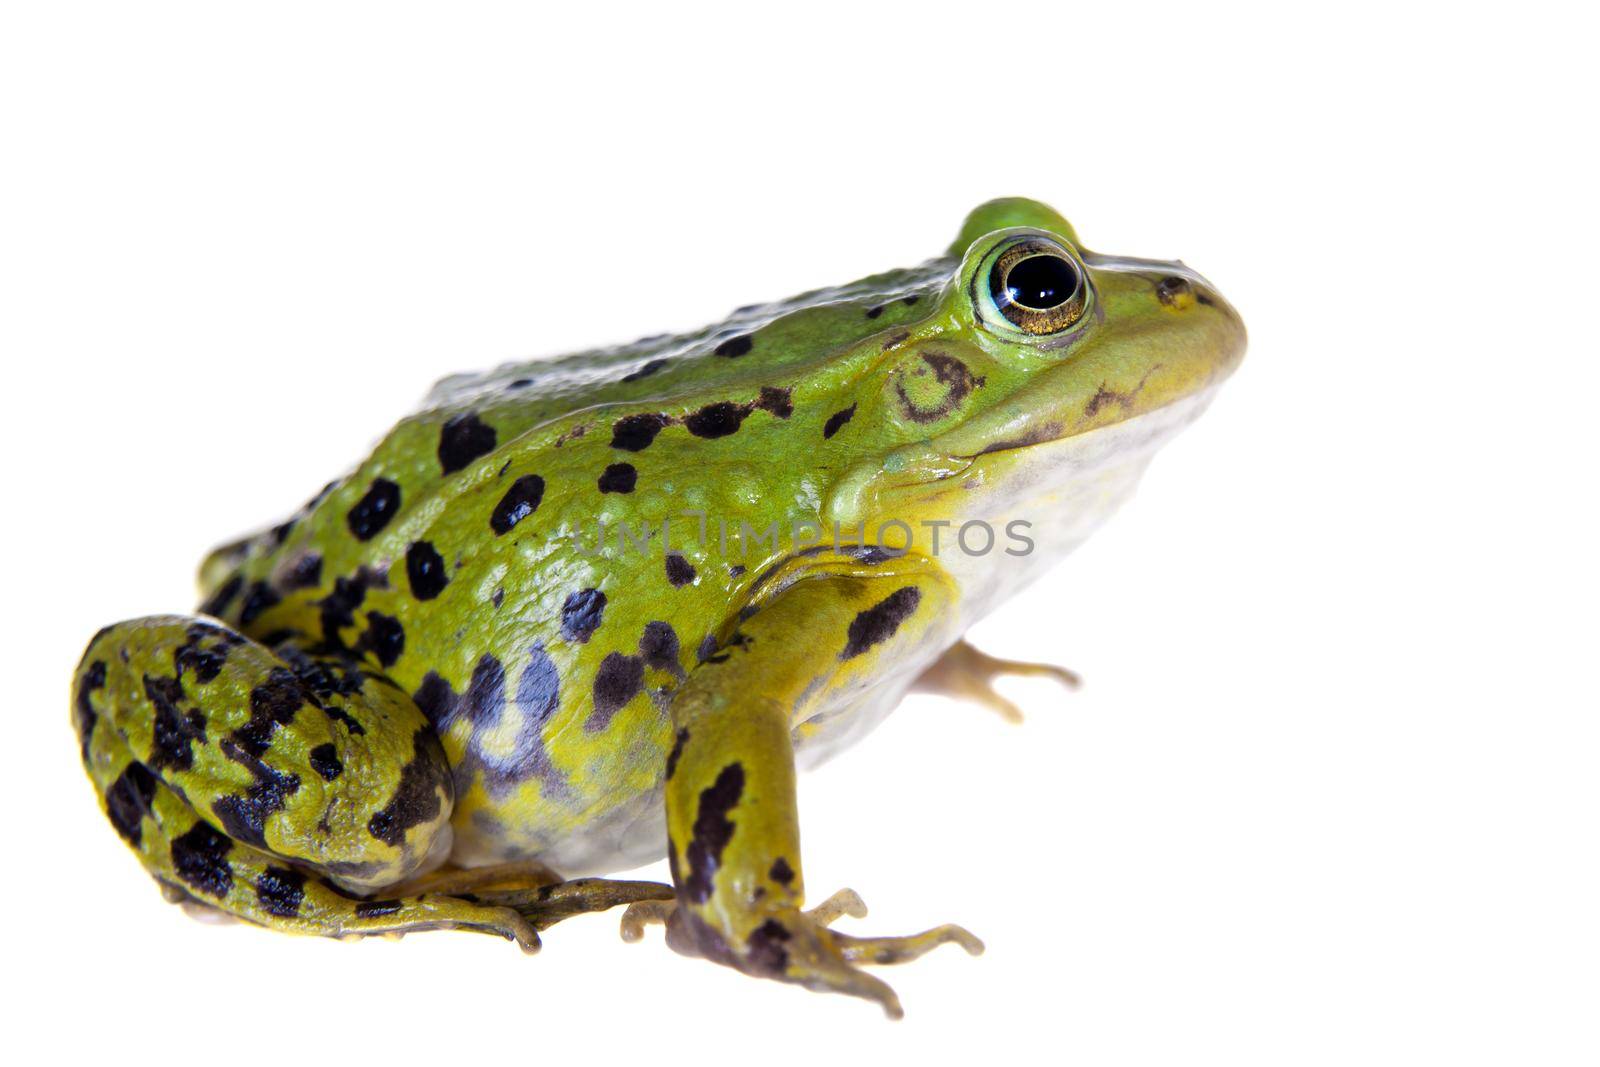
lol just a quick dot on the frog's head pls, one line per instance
(1040, 363)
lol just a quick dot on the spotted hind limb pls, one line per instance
(275, 788)
(965, 673)
(733, 828)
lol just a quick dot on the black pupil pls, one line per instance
(1042, 282)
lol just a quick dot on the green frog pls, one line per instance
(581, 613)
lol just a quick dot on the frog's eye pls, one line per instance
(1037, 286)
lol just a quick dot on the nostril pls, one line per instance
(1172, 288)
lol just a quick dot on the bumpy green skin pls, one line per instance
(424, 664)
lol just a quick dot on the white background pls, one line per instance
(1330, 794)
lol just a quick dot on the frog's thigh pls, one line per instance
(733, 831)
(247, 789)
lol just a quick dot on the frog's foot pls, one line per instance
(798, 946)
(967, 674)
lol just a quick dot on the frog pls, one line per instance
(578, 614)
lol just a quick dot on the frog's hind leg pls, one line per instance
(965, 673)
(277, 789)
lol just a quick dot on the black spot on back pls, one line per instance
(462, 440)
(781, 872)
(775, 401)
(520, 501)
(680, 572)
(712, 831)
(645, 371)
(304, 573)
(618, 478)
(217, 603)
(436, 699)
(735, 346)
(879, 622)
(767, 953)
(837, 420)
(425, 568)
(581, 614)
(384, 637)
(257, 599)
(633, 433)
(618, 680)
(716, 420)
(374, 510)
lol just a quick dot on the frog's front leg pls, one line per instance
(733, 829)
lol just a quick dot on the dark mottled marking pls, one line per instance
(680, 572)
(257, 599)
(734, 347)
(1036, 436)
(416, 798)
(633, 433)
(879, 622)
(338, 608)
(776, 401)
(910, 300)
(520, 501)
(245, 817)
(128, 800)
(897, 338)
(617, 680)
(581, 614)
(92, 680)
(736, 570)
(485, 697)
(707, 649)
(837, 420)
(712, 831)
(716, 420)
(1204, 299)
(173, 731)
(217, 603)
(304, 573)
(953, 375)
(425, 569)
(781, 872)
(619, 478)
(874, 311)
(678, 742)
(435, 698)
(519, 383)
(280, 890)
(280, 533)
(766, 953)
(273, 703)
(200, 858)
(374, 510)
(645, 371)
(324, 760)
(384, 638)
(376, 909)
(462, 440)
(660, 648)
